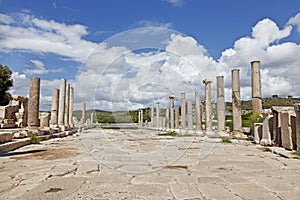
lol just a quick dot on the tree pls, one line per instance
(5, 83)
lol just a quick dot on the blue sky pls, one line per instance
(59, 37)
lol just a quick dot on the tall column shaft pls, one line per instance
(172, 111)
(183, 111)
(198, 108)
(256, 87)
(62, 99)
(71, 107)
(176, 118)
(220, 103)
(142, 117)
(67, 101)
(54, 107)
(34, 103)
(190, 114)
(83, 116)
(152, 116)
(236, 101)
(157, 116)
(208, 122)
(167, 118)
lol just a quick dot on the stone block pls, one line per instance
(257, 132)
(286, 130)
(6, 137)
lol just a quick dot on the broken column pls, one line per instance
(198, 108)
(54, 107)
(208, 122)
(66, 119)
(190, 114)
(183, 111)
(176, 118)
(220, 103)
(172, 111)
(34, 103)
(266, 134)
(62, 99)
(83, 115)
(71, 107)
(236, 101)
(256, 87)
(297, 111)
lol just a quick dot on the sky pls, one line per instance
(123, 55)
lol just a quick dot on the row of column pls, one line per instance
(62, 105)
(221, 110)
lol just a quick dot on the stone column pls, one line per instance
(167, 119)
(142, 117)
(256, 87)
(176, 118)
(190, 114)
(152, 116)
(172, 111)
(297, 111)
(54, 107)
(236, 101)
(157, 116)
(220, 103)
(92, 117)
(198, 112)
(71, 107)
(34, 103)
(208, 122)
(183, 111)
(62, 99)
(139, 118)
(67, 101)
(83, 116)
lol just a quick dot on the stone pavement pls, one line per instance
(139, 164)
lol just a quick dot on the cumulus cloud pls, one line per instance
(143, 66)
(295, 21)
(25, 32)
(40, 69)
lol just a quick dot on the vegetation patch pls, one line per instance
(266, 149)
(171, 133)
(226, 140)
(34, 139)
(296, 153)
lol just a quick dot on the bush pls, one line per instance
(34, 139)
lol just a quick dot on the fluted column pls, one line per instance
(34, 103)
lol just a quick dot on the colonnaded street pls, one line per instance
(146, 164)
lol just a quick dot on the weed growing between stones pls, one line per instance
(34, 139)
(226, 140)
(171, 133)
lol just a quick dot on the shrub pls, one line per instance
(34, 139)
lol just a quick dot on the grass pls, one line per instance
(296, 153)
(34, 139)
(172, 133)
(226, 140)
(265, 149)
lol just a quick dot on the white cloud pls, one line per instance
(47, 36)
(295, 21)
(117, 74)
(175, 2)
(40, 69)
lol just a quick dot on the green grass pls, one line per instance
(34, 139)
(172, 133)
(226, 140)
(296, 153)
